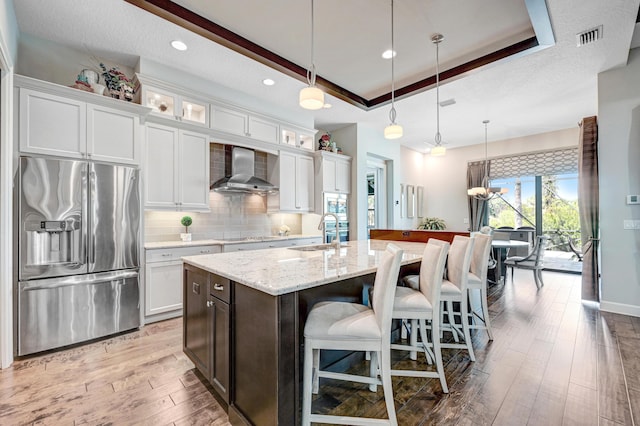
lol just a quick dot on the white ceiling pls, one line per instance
(547, 90)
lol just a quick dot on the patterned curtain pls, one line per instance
(475, 173)
(588, 191)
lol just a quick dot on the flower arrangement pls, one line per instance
(433, 223)
(117, 83)
(284, 230)
(325, 143)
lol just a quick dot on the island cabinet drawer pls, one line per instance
(220, 288)
(175, 253)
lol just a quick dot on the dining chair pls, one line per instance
(455, 289)
(533, 261)
(477, 280)
(354, 327)
(420, 306)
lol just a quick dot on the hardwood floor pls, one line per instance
(554, 361)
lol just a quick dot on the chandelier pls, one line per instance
(485, 192)
(393, 130)
(438, 149)
(311, 97)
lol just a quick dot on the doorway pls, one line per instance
(376, 194)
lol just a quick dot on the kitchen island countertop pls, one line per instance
(280, 271)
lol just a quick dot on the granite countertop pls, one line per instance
(284, 270)
(211, 242)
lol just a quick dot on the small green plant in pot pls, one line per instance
(186, 221)
(432, 223)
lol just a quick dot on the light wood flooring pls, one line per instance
(554, 361)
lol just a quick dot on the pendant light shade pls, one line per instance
(438, 150)
(393, 130)
(485, 192)
(311, 97)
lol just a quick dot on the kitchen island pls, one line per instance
(251, 307)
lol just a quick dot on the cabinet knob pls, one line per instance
(218, 287)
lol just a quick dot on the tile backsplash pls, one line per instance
(231, 215)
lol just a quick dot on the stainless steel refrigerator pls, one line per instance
(338, 205)
(77, 232)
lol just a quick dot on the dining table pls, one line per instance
(501, 251)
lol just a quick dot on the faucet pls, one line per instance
(336, 238)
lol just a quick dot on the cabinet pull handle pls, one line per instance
(218, 287)
(209, 303)
(205, 251)
(166, 254)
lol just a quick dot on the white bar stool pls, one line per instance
(477, 280)
(355, 327)
(422, 305)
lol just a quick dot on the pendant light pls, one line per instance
(311, 97)
(393, 130)
(438, 149)
(485, 192)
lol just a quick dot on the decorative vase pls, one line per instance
(186, 237)
(98, 88)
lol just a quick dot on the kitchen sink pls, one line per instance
(318, 247)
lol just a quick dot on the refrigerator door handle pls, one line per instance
(47, 284)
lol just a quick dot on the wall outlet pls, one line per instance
(631, 224)
(465, 220)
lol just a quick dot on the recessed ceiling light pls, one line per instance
(178, 45)
(387, 54)
(327, 106)
(268, 82)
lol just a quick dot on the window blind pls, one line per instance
(541, 163)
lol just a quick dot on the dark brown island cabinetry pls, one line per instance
(207, 326)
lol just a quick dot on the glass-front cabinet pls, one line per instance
(298, 137)
(172, 104)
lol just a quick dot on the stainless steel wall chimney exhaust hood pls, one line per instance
(239, 175)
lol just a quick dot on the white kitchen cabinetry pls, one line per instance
(293, 174)
(298, 137)
(163, 280)
(334, 172)
(241, 123)
(53, 124)
(177, 169)
(175, 106)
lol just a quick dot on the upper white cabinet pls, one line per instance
(112, 135)
(68, 126)
(298, 137)
(293, 174)
(242, 123)
(172, 103)
(333, 172)
(177, 169)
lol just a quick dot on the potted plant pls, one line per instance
(432, 223)
(186, 221)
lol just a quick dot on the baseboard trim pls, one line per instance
(620, 308)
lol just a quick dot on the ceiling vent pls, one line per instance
(589, 36)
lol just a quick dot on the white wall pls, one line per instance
(445, 178)
(360, 142)
(411, 173)
(619, 155)
(8, 54)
